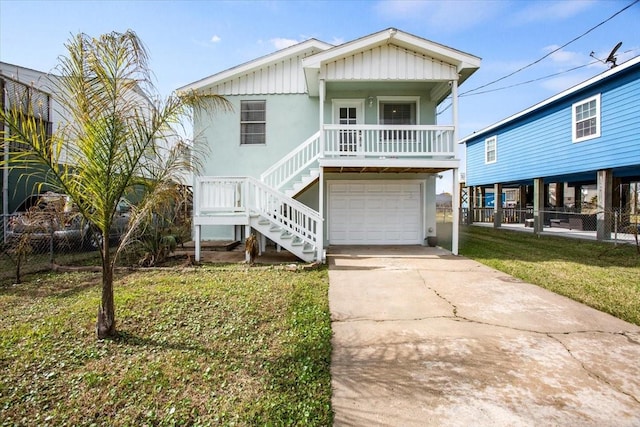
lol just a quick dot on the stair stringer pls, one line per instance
(285, 239)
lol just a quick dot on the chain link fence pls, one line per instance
(617, 225)
(50, 233)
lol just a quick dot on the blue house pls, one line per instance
(331, 145)
(586, 136)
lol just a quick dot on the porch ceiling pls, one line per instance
(381, 170)
(370, 165)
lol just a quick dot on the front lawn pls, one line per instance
(207, 346)
(601, 275)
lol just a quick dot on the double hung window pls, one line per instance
(253, 122)
(586, 119)
(491, 149)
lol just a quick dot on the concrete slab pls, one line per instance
(425, 338)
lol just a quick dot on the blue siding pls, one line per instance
(540, 144)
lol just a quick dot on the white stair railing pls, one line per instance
(246, 196)
(294, 163)
(285, 212)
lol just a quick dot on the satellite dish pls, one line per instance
(612, 56)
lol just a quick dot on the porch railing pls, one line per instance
(246, 196)
(389, 141)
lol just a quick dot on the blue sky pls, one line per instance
(189, 40)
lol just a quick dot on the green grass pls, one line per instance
(224, 345)
(601, 275)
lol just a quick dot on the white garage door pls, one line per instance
(375, 212)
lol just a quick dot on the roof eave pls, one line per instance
(254, 64)
(589, 82)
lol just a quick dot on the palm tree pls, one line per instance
(119, 140)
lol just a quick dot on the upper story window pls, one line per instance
(491, 149)
(586, 119)
(401, 110)
(253, 122)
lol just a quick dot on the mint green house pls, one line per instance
(331, 145)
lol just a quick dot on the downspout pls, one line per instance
(455, 197)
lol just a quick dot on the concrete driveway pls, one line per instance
(423, 338)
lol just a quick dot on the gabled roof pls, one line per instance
(310, 45)
(541, 105)
(465, 63)
(317, 53)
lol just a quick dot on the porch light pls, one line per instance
(370, 101)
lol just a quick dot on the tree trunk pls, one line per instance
(106, 324)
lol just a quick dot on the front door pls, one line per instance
(349, 113)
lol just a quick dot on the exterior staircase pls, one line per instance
(268, 205)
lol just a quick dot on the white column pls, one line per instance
(320, 231)
(197, 242)
(322, 90)
(455, 197)
(455, 204)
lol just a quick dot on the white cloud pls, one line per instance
(551, 11)
(215, 39)
(281, 43)
(443, 16)
(337, 41)
(565, 57)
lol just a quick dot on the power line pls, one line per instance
(555, 50)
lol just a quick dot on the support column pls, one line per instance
(497, 205)
(481, 203)
(471, 204)
(321, 227)
(559, 195)
(577, 198)
(197, 242)
(455, 200)
(545, 203)
(538, 204)
(322, 94)
(522, 204)
(456, 179)
(604, 215)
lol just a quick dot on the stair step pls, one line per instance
(297, 241)
(263, 221)
(286, 235)
(275, 229)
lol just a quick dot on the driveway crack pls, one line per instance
(590, 372)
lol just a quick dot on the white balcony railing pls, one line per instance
(389, 141)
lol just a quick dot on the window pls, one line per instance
(491, 149)
(397, 113)
(253, 122)
(586, 119)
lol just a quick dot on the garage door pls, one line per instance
(375, 212)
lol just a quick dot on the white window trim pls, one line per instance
(265, 123)
(495, 149)
(574, 138)
(415, 99)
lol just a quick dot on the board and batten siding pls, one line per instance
(388, 62)
(540, 144)
(283, 77)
